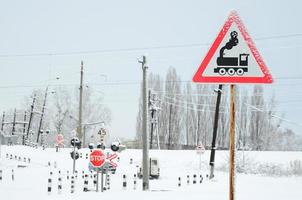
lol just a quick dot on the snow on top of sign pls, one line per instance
(235, 17)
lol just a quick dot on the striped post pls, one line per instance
(24, 159)
(131, 161)
(67, 175)
(11, 156)
(188, 179)
(201, 179)
(91, 174)
(108, 181)
(72, 184)
(179, 181)
(86, 156)
(59, 185)
(85, 183)
(19, 159)
(80, 155)
(7, 155)
(194, 179)
(94, 180)
(13, 175)
(134, 182)
(49, 185)
(124, 182)
(55, 164)
(28, 160)
(1, 175)
(76, 174)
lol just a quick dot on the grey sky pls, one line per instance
(54, 26)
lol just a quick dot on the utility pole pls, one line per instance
(42, 114)
(31, 115)
(24, 128)
(2, 124)
(145, 126)
(215, 127)
(152, 114)
(170, 127)
(153, 108)
(80, 136)
(14, 122)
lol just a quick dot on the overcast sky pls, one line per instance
(40, 40)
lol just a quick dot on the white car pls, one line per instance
(154, 169)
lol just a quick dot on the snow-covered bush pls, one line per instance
(295, 167)
(245, 163)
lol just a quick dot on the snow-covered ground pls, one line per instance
(30, 182)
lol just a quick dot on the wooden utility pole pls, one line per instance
(31, 115)
(2, 124)
(14, 122)
(215, 127)
(80, 136)
(24, 128)
(232, 143)
(42, 115)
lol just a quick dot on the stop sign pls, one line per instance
(97, 158)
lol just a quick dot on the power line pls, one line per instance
(137, 48)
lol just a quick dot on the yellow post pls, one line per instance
(232, 142)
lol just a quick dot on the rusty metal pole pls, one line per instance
(232, 142)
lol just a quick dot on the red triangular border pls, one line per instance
(233, 17)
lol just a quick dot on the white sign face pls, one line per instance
(238, 57)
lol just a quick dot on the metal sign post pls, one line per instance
(97, 180)
(74, 159)
(102, 180)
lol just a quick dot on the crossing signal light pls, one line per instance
(116, 146)
(74, 155)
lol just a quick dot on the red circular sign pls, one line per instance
(97, 158)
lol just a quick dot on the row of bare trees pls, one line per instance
(61, 113)
(187, 111)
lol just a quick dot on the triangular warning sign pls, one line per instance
(233, 57)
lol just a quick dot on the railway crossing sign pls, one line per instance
(97, 158)
(200, 149)
(60, 140)
(233, 57)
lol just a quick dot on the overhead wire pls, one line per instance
(138, 48)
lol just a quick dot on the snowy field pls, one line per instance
(31, 179)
